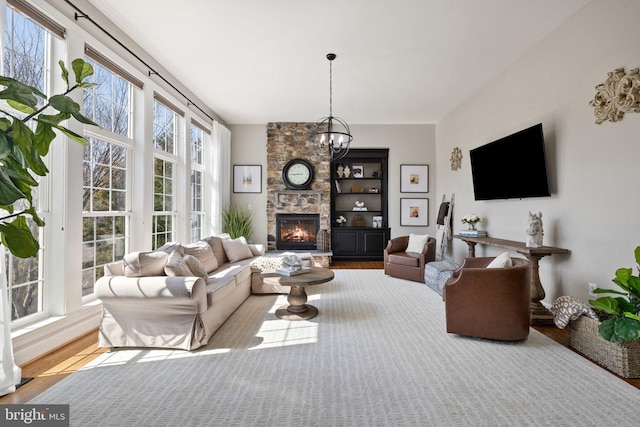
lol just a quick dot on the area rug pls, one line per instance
(376, 355)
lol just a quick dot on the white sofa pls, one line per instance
(150, 300)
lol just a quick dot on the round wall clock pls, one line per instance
(298, 174)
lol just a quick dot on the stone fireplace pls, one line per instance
(287, 141)
(297, 231)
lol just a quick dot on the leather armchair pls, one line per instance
(407, 265)
(489, 303)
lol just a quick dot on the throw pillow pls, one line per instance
(176, 266)
(236, 249)
(196, 267)
(501, 261)
(216, 245)
(139, 264)
(417, 242)
(204, 253)
(170, 247)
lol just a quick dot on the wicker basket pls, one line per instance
(623, 359)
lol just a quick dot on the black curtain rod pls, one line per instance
(80, 14)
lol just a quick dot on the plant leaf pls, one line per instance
(6, 146)
(82, 119)
(64, 104)
(43, 137)
(620, 329)
(606, 304)
(53, 119)
(17, 237)
(36, 218)
(71, 134)
(65, 72)
(625, 305)
(637, 254)
(608, 291)
(34, 160)
(20, 107)
(4, 123)
(9, 193)
(82, 69)
(19, 93)
(21, 134)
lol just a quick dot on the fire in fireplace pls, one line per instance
(297, 231)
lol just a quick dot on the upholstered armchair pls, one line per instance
(407, 265)
(489, 303)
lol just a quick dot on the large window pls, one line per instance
(197, 184)
(108, 103)
(165, 122)
(25, 59)
(105, 223)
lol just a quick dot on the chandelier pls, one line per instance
(332, 132)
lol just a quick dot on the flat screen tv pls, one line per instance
(513, 167)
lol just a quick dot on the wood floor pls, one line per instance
(58, 364)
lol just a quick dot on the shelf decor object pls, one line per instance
(331, 131)
(414, 212)
(414, 178)
(619, 94)
(247, 178)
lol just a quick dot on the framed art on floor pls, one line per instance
(414, 178)
(247, 178)
(414, 212)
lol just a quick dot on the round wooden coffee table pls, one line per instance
(298, 309)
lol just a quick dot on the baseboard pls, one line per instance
(48, 335)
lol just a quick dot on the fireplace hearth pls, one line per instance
(297, 231)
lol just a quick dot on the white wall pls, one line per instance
(408, 144)
(594, 207)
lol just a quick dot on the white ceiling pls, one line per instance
(399, 61)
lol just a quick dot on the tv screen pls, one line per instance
(513, 167)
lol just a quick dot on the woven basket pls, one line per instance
(621, 358)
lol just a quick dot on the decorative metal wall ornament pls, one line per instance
(332, 131)
(456, 159)
(619, 94)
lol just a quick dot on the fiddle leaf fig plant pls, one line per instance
(22, 150)
(624, 323)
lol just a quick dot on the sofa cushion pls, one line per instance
(176, 266)
(196, 267)
(236, 249)
(139, 264)
(170, 247)
(501, 261)
(417, 242)
(202, 250)
(403, 258)
(216, 245)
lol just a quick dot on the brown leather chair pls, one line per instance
(489, 303)
(407, 265)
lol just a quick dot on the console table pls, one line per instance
(540, 315)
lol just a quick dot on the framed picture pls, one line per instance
(414, 178)
(247, 178)
(377, 222)
(358, 171)
(414, 212)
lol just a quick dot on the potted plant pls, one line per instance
(622, 323)
(237, 221)
(613, 342)
(22, 150)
